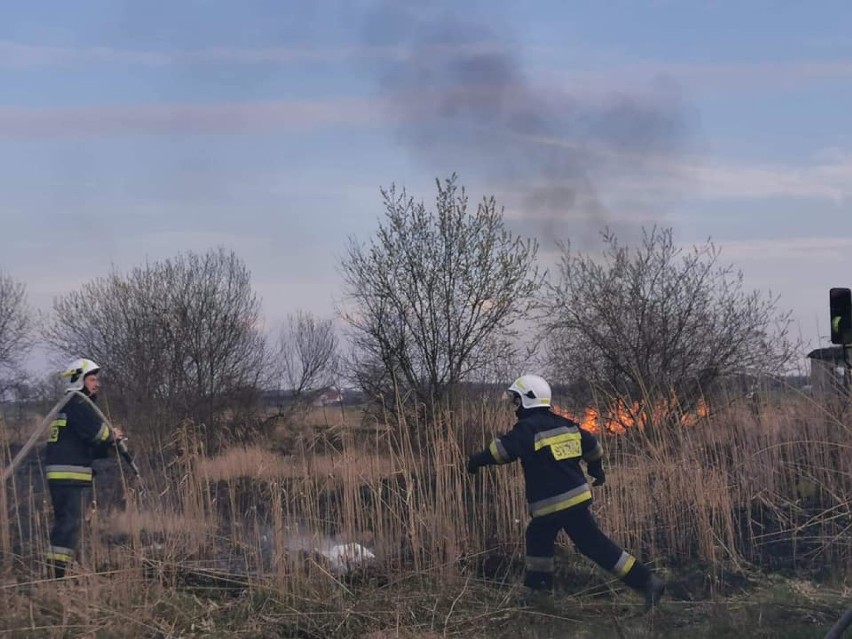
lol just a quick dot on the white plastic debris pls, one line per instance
(344, 558)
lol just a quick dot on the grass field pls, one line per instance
(745, 512)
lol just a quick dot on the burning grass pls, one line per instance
(621, 416)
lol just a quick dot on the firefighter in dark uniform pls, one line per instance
(77, 437)
(550, 448)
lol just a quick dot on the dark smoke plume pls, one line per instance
(460, 101)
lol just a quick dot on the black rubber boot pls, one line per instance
(58, 568)
(654, 590)
(539, 599)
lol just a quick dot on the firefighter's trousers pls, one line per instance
(580, 525)
(68, 501)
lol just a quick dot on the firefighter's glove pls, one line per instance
(472, 465)
(597, 472)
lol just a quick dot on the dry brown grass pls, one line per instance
(130, 521)
(730, 488)
(258, 463)
(18, 431)
(740, 490)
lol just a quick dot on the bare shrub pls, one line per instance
(657, 325)
(435, 294)
(307, 355)
(178, 339)
(16, 325)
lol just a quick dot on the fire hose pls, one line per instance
(33, 440)
(120, 445)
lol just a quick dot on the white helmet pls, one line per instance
(77, 371)
(533, 390)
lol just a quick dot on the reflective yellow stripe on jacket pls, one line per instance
(561, 501)
(61, 421)
(558, 435)
(564, 442)
(498, 452)
(103, 433)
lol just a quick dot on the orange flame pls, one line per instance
(621, 416)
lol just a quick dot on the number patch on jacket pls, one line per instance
(54, 429)
(566, 450)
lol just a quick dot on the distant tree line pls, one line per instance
(17, 329)
(438, 298)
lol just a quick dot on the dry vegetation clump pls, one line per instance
(261, 464)
(241, 543)
(767, 488)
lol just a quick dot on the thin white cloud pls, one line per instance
(824, 180)
(614, 74)
(703, 77)
(172, 119)
(17, 55)
(783, 249)
(827, 177)
(789, 249)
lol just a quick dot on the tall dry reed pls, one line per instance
(762, 486)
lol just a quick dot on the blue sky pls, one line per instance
(134, 130)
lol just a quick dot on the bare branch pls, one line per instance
(657, 321)
(16, 325)
(436, 292)
(177, 339)
(307, 352)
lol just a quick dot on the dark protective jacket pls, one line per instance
(550, 448)
(77, 437)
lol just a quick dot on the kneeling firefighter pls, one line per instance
(550, 448)
(77, 437)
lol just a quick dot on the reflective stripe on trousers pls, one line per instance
(60, 553)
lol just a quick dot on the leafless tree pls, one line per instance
(28, 393)
(657, 323)
(176, 339)
(434, 292)
(16, 325)
(307, 353)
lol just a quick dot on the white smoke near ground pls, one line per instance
(338, 554)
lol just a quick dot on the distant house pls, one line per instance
(276, 397)
(329, 397)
